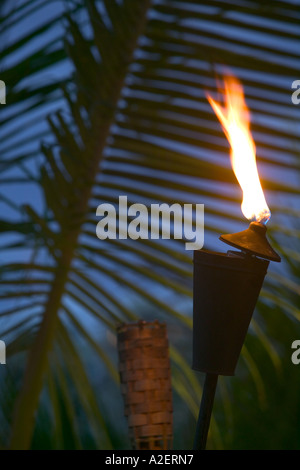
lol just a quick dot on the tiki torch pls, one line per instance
(227, 285)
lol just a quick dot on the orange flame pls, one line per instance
(235, 120)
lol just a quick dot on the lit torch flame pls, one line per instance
(235, 120)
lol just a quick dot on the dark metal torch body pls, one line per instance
(226, 289)
(225, 292)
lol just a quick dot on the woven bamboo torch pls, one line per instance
(145, 375)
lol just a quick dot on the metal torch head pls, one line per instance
(252, 241)
(226, 289)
